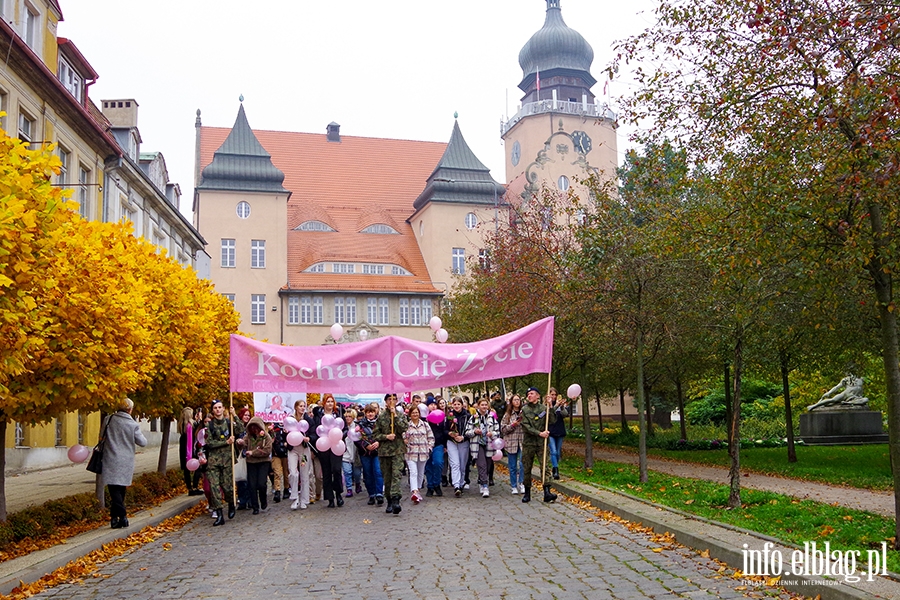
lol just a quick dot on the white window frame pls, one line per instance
(372, 311)
(339, 310)
(351, 311)
(384, 311)
(293, 310)
(65, 158)
(257, 254)
(229, 254)
(370, 269)
(471, 220)
(426, 311)
(26, 126)
(84, 199)
(31, 30)
(459, 261)
(242, 209)
(343, 268)
(415, 312)
(404, 311)
(258, 309)
(395, 270)
(305, 310)
(318, 310)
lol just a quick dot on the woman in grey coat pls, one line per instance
(122, 434)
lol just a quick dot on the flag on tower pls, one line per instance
(539, 80)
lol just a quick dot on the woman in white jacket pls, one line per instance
(299, 464)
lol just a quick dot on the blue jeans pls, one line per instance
(372, 476)
(435, 466)
(555, 447)
(351, 474)
(514, 460)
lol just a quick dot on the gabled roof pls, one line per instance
(459, 177)
(241, 164)
(351, 185)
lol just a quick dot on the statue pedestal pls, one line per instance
(838, 427)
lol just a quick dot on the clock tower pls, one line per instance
(561, 132)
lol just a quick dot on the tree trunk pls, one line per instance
(3, 425)
(728, 402)
(648, 408)
(98, 478)
(888, 320)
(642, 417)
(788, 416)
(623, 418)
(734, 429)
(586, 421)
(683, 420)
(164, 445)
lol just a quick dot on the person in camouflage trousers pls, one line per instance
(220, 460)
(534, 421)
(389, 429)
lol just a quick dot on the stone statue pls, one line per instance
(846, 394)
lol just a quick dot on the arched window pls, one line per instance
(314, 226)
(379, 228)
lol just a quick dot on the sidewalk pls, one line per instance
(881, 503)
(36, 487)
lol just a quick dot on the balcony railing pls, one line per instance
(600, 111)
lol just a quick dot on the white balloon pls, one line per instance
(574, 391)
(435, 323)
(337, 331)
(441, 335)
(423, 410)
(363, 335)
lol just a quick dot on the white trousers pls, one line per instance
(299, 472)
(416, 473)
(459, 456)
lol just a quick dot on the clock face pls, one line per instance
(516, 153)
(582, 142)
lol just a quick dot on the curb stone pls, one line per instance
(33, 566)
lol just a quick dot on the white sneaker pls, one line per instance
(296, 504)
(484, 491)
(521, 488)
(465, 487)
(514, 490)
(302, 506)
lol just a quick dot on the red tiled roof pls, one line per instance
(349, 186)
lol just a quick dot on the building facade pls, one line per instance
(44, 94)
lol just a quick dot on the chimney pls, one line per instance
(121, 113)
(334, 132)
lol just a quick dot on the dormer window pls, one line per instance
(314, 226)
(71, 79)
(380, 228)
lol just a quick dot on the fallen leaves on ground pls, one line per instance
(76, 570)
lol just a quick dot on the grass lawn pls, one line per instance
(866, 466)
(782, 517)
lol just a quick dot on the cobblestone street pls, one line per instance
(447, 547)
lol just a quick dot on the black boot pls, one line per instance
(389, 506)
(379, 499)
(114, 523)
(438, 491)
(340, 500)
(430, 492)
(549, 496)
(444, 482)
(331, 503)
(395, 505)
(276, 497)
(527, 496)
(555, 472)
(230, 511)
(220, 518)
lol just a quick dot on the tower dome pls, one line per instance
(556, 49)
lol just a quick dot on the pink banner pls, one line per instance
(388, 364)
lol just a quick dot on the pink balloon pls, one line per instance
(290, 424)
(322, 444)
(499, 444)
(328, 421)
(436, 417)
(193, 464)
(353, 435)
(78, 453)
(441, 335)
(201, 436)
(295, 438)
(321, 431)
(435, 323)
(498, 455)
(335, 436)
(574, 391)
(339, 448)
(303, 426)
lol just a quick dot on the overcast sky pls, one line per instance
(394, 69)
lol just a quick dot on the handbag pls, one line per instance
(95, 464)
(240, 469)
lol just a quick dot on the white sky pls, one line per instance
(394, 69)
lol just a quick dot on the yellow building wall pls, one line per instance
(50, 52)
